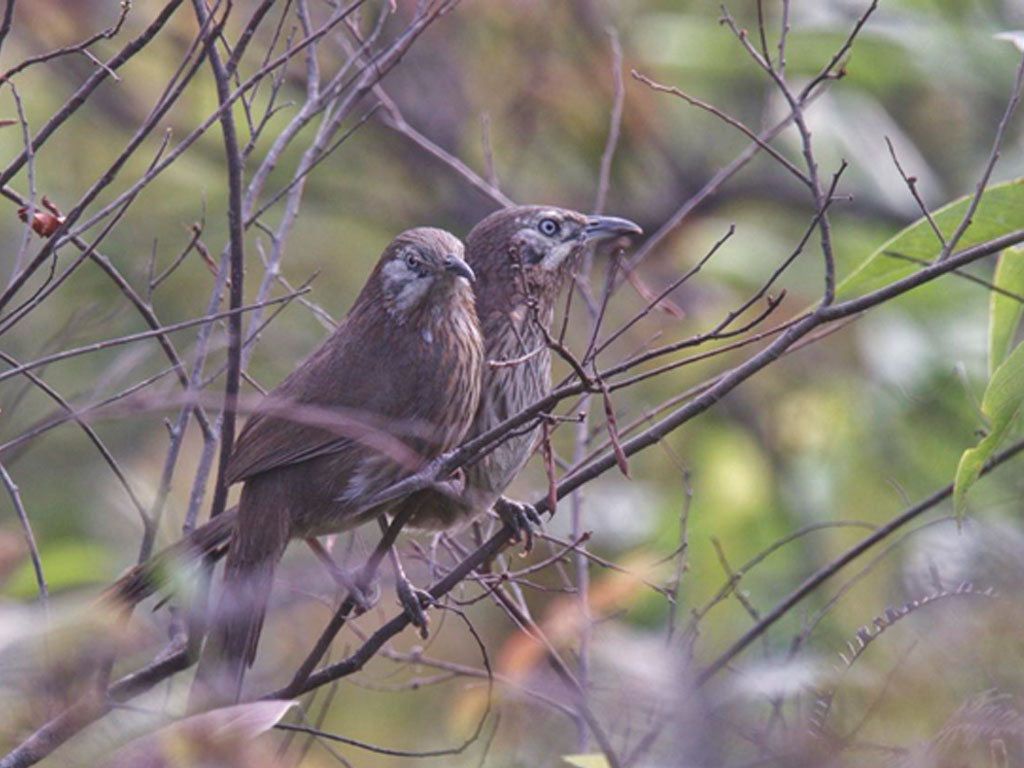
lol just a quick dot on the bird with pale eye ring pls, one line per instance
(521, 256)
(402, 372)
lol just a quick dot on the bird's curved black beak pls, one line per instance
(604, 227)
(457, 266)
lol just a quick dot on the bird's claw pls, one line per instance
(452, 486)
(523, 518)
(362, 591)
(364, 595)
(413, 601)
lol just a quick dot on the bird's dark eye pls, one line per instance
(412, 261)
(549, 227)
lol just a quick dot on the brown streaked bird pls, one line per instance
(405, 362)
(521, 256)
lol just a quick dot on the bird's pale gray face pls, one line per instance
(422, 265)
(549, 240)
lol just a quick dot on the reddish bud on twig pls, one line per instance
(211, 265)
(44, 223)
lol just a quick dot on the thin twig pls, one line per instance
(824, 573)
(911, 182)
(26, 531)
(993, 158)
(615, 122)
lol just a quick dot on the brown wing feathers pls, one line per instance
(408, 359)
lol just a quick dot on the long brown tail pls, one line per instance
(257, 543)
(155, 574)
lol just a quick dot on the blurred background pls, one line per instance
(846, 432)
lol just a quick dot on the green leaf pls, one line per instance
(587, 761)
(1005, 311)
(1003, 398)
(1000, 212)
